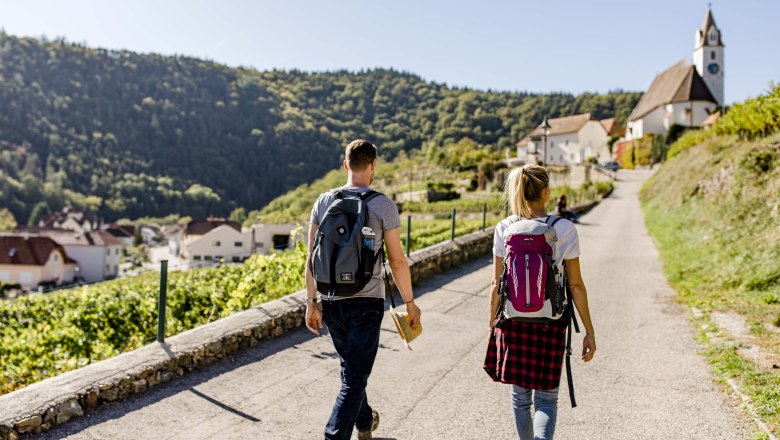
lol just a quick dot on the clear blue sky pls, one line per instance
(539, 46)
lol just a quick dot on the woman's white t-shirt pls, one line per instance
(566, 248)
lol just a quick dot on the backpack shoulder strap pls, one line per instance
(554, 219)
(512, 219)
(368, 195)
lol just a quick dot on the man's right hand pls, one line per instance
(313, 318)
(415, 313)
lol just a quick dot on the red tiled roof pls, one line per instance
(66, 237)
(711, 119)
(33, 250)
(200, 227)
(612, 127)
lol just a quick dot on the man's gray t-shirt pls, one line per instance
(382, 216)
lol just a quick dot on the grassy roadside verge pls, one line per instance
(713, 212)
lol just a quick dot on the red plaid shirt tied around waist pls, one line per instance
(527, 354)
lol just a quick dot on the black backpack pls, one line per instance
(343, 257)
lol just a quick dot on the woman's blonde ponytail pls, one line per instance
(525, 185)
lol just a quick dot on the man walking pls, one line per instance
(354, 320)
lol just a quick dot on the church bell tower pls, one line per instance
(708, 56)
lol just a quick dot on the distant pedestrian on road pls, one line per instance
(529, 354)
(564, 212)
(351, 301)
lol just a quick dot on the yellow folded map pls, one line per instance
(403, 322)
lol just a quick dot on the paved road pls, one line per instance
(646, 382)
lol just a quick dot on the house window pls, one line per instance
(116, 251)
(236, 259)
(260, 244)
(56, 257)
(567, 142)
(108, 268)
(238, 244)
(217, 243)
(712, 55)
(196, 257)
(281, 242)
(207, 257)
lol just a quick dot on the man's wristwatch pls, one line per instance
(312, 300)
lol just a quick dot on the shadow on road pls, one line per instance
(223, 406)
(187, 383)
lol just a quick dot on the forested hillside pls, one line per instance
(130, 135)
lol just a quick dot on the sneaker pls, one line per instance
(366, 435)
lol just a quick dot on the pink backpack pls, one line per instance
(532, 288)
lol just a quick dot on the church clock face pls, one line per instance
(713, 68)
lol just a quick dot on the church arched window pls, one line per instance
(712, 55)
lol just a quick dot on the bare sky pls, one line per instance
(539, 46)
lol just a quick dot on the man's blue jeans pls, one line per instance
(354, 328)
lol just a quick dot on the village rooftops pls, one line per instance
(67, 237)
(201, 227)
(711, 119)
(28, 249)
(81, 218)
(612, 127)
(119, 231)
(679, 83)
(558, 126)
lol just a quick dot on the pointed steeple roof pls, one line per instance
(709, 22)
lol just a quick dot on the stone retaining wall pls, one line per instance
(56, 400)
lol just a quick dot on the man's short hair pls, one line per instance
(360, 153)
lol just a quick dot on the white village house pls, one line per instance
(204, 242)
(570, 140)
(30, 260)
(97, 253)
(211, 240)
(684, 94)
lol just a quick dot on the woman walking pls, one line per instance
(529, 354)
(563, 211)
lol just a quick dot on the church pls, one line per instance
(684, 94)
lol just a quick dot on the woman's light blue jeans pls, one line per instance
(542, 425)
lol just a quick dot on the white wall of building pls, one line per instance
(264, 236)
(652, 122)
(680, 113)
(568, 148)
(221, 242)
(593, 139)
(95, 263)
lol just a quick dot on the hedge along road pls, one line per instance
(646, 381)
